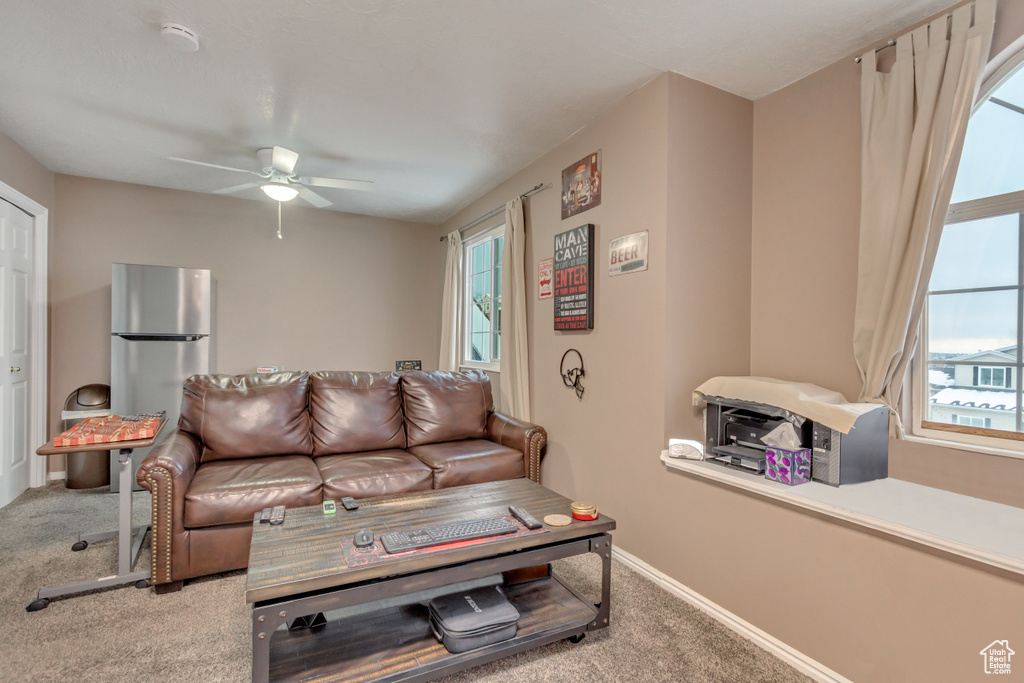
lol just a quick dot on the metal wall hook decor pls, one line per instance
(573, 375)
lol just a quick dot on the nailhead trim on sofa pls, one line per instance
(536, 443)
(163, 524)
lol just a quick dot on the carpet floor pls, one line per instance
(202, 633)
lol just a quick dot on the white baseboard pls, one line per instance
(56, 476)
(794, 658)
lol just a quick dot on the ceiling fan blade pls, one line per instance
(236, 188)
(203, 163)
(339, 183)
(311, 197)
(284, 160)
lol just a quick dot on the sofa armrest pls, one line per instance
(166, 474)
(527, 438)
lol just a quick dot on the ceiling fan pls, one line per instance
(279, 180)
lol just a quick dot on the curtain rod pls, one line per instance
(495, 212)
(946, 15)
(892, 41)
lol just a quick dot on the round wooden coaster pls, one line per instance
(557, 520)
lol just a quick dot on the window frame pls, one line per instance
(978, 439)
(491, 234)
(992, 440)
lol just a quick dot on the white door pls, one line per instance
(15, 281)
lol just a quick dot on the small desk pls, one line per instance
(127, 551)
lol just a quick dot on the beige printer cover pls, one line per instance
(809, 400)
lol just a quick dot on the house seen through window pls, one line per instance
(974, 312)
(481, 325)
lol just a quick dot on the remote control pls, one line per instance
(349, 503)
(528, 520)
(265, 516)
(277, 515)
(329, 507)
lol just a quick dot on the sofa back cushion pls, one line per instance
(445, 406)
(247, 416)
(355, 411)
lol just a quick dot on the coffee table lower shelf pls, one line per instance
(397, 644)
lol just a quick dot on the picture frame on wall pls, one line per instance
(628, 254)
(545, 270)
(581, 185)
(574, 279)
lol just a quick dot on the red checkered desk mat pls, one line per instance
(108, 429)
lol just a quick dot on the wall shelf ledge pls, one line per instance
(980, 530)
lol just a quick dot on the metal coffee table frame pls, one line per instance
(127, 549)
(271, 614)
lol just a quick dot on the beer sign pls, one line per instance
(574, 279)
(628, 254)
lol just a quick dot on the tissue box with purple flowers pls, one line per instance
(788, 467)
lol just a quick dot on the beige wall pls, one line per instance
(339, 292)
(764, 286)
(20, 170)
(624, 354)
(804, 263)
(868, 607)
(707, 288)
(806, 221)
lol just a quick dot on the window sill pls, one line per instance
(962, 446)
(478, 366)
(979, 530)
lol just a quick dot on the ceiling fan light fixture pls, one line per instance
(279, 191)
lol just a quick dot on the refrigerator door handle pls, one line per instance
(162, 337)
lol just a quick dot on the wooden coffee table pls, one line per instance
(376, 623)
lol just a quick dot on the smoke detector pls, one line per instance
(181, 38)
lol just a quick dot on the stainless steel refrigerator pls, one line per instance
(161, 326)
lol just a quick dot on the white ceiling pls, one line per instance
(434, 101)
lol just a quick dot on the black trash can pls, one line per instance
(87, 470)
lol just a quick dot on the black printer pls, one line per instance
(734, 434)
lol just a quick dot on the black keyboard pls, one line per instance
(399, 541)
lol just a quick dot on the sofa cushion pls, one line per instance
(473, 461)
(377, 473)
(246, 416)
(231, 491)
(445, 406)
(353, 412)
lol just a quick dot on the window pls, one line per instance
(993, 377)
(973, 327)
(967, 421)
(481, 324)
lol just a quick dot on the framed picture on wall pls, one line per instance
(574, 279)
(544, 274)
(628, 254)
(581, 185)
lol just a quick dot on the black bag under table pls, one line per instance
(470, 619)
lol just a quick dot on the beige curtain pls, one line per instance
(913, 121)
(514, 362)
(449, 360)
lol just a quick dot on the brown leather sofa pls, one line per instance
(294, 438)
